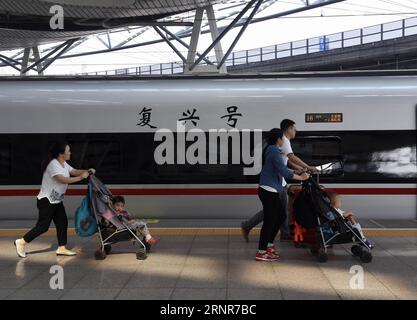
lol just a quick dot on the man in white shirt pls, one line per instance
(288, 127)
(290, 159)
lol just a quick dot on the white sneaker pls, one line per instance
(20, 248)
(65, 252)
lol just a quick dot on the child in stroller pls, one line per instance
(139, 226)
(336, 203)
(110, 226)
(322, 224)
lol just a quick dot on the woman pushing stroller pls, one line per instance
(270, 187)
(57, 175)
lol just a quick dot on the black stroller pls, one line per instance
(110, 227)
(314, 213)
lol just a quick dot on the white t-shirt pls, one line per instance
(51, 188)
(268, 188)
(285, 151)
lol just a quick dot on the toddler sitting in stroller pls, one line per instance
(336, 203)
(140, 226)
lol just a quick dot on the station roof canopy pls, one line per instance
(26, 23)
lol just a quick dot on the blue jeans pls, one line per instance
(138, 226)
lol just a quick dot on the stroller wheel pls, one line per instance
(356, 250)
(141, 254)
(314, 251)
(365, 256)
(322, 255)
(99, 255)
(107, 248)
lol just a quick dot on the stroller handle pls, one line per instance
(311, 173)
(313, 182)
(90, 174)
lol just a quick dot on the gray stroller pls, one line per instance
(110, 226)
(324, 225)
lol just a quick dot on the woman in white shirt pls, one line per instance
(56, 177)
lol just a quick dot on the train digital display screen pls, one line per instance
(324, 117)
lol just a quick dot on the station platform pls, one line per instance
(209, 261)
(376, 228)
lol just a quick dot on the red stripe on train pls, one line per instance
(213, 192)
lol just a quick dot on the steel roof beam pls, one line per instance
(255, 20)
(179, 54)
(254, 11)
(175, 37)
(308, 6)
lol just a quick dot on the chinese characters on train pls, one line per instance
(231, 117)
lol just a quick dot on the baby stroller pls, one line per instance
(322, 226)
(110, 227)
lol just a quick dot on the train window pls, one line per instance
(195, 172)
(5, 159)
(381, 156)
(104, 156)
(324, 152)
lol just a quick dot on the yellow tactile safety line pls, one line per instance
(369, 232)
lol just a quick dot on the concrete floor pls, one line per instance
(215, 223)
(207, 267)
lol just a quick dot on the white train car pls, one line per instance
(366, 120)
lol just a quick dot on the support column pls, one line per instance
(214, 35)
(195, 36)
(29, 55)
(25, 60)
(37, 57)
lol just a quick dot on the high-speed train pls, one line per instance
(154, 140)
